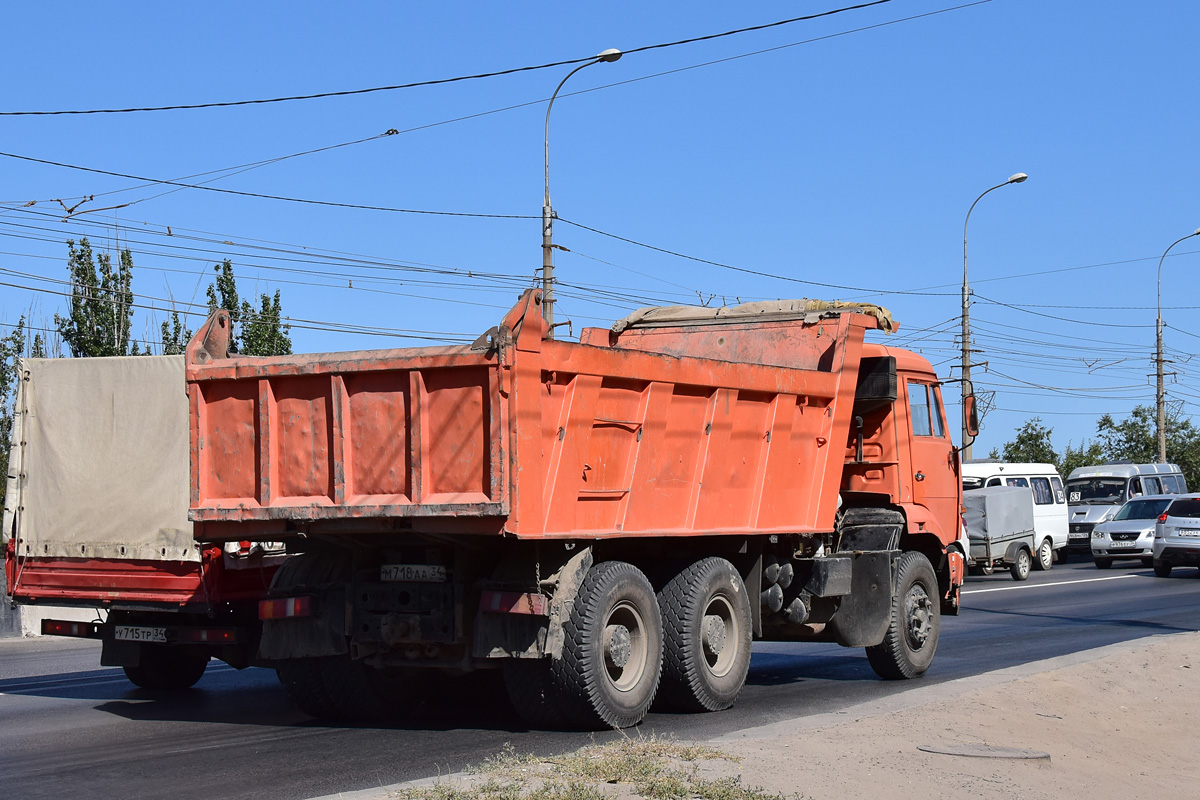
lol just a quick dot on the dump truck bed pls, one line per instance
(684, 425)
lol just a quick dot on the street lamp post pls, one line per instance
(547, 211)
(1160, 396)
(1020, 177)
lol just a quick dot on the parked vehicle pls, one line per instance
(1130, 533)
(610, 522)
(1177, 536)
(1049, 501)
(96, 518)
(1095, 494)
(1000, 524)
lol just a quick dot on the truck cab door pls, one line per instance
(935, 474)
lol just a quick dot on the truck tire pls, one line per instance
(612, 649)
(706, 637)
(912, 636)
(362, 693)
(1045, 556)
(304, 684)
(1021, 565)
(163, 667)
(533, 694)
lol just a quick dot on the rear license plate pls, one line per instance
(413, 573)
(138, 633)
(1187, 532)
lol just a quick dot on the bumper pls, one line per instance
(1179, 556)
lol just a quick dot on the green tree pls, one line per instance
(1136, 439)
(175, 336)
(1032, 444)
(260, 332)
(12, 347)
(100, 308)
(1086, 454)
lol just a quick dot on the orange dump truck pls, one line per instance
(611, 522)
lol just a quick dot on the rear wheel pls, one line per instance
(907, 649)
(1102, 563)
(1021, 565)
(707, 637)
(1045, 556)
(612, 651)
(167, 668)
(1162, 569)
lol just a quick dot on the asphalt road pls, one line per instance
(71, 728)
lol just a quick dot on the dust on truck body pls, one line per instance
(610, 521)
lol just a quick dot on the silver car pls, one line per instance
(1130, 532)
(1177, 535)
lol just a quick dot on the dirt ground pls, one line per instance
(1118, 722)
(1123, 725)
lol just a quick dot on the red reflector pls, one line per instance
(283, 607)
(57, 627)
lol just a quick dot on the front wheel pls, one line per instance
(707, 636)
(612, 653)
(911, 640)
(1021, 565)
(1102, 563)
(1045, 556)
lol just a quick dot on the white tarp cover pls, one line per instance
(103, 472)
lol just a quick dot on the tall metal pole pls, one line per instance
(1160, 396)
(1020, 177)
(548, 210)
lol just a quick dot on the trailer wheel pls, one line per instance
(707, 636)
(912, 636)
(167, 668)
(987, 569)
(612, 650)
(1021, 565)
(1045, 556)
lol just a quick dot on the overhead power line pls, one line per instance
(457, 79)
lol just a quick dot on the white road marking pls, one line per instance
(1044, 585)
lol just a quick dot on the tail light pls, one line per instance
(83, 630)
(284, 607)
(1162, 518)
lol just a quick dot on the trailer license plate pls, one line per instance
(413, 573)
(137, 633)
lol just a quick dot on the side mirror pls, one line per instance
(970, 417)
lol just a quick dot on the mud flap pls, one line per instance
(301, 637)
(864, 614)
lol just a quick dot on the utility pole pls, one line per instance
(1020, 177)
(1160, 395)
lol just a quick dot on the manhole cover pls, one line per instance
(984, 751)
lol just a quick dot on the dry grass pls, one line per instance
(649, 767)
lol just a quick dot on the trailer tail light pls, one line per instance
(284, 607)
(57, 627)
(207, 635)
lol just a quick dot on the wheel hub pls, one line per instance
(618, 645)
(713, 634)
(919, 613)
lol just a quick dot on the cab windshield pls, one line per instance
(1142, 509)
(1096, 491)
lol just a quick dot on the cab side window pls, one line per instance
(1042, 495)
(926, 409)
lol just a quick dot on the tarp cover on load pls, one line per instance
(103, 471)
(762, 310)
(998, 512)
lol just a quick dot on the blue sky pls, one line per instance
(813, 153)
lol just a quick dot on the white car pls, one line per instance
(1177, 535)
(1130, 532)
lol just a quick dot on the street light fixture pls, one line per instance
(1020, 177)
(607, 56)
(1161, 395)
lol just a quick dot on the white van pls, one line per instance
(1096, 493)
(1049, 501)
